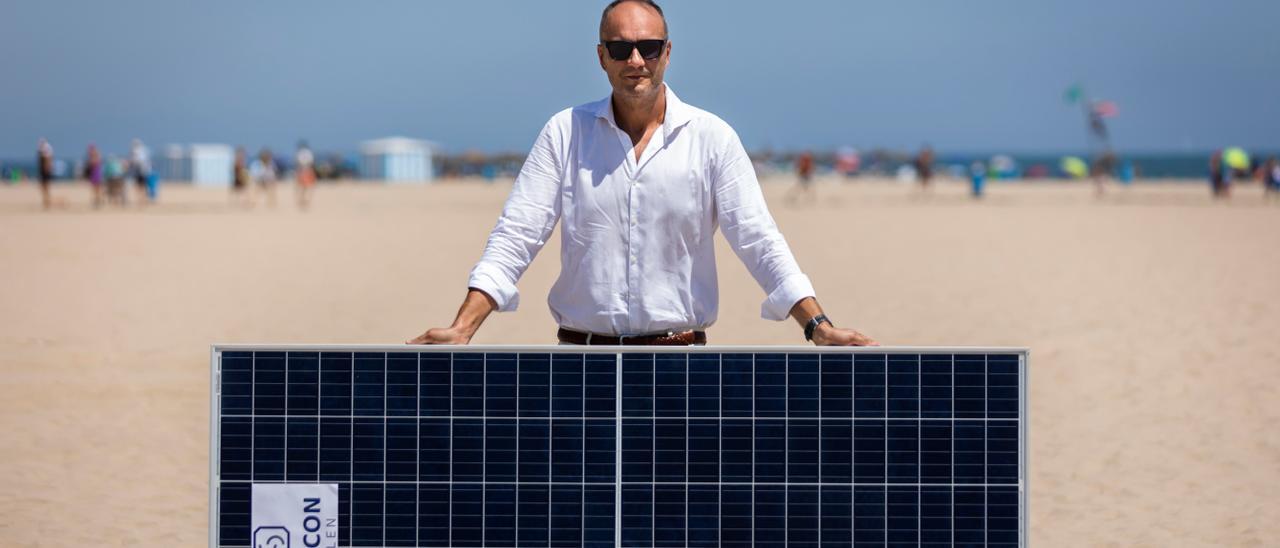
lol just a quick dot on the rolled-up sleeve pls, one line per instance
(527, 220)
(751, 232)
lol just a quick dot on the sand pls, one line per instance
(1151, 315)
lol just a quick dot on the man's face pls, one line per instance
(636, 76)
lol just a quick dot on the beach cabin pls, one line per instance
(199, 164)
(397, 160)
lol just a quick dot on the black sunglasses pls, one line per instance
(620, 50)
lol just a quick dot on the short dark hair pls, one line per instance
(605, 14)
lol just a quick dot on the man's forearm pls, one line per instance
(805, 310)
(475, 308)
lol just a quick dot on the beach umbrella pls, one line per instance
(1235, 158)
(1074, 166)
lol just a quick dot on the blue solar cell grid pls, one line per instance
(571, 447)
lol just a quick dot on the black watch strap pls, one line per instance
(813, 324)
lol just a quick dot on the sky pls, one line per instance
(978, 75)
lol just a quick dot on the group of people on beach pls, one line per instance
(1102, 171)
(106, 174)
(1221, 176)
(263, 173)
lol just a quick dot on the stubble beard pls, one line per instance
(643, 92)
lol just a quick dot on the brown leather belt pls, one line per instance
(684, 338)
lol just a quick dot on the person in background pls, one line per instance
(240, 194)
(93, 172)
(140, 170)
(44, 167)
(304, 171)
(804, 182)
(1127, 172)
(263, 171)
(1271, 178)
(1218, 182)
(847, 161)
(924, 167)
(1103, 168)
(114, 171)
(977, 175)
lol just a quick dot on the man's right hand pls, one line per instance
(475, 308)
(441, 335)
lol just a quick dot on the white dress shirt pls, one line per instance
(636, 253)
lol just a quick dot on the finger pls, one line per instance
(420, 339)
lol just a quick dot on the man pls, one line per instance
(640, 182)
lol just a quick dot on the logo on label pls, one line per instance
(271, 537)
(290, 515)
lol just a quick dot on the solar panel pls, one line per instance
(635, 446)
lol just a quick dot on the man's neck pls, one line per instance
(635, 115)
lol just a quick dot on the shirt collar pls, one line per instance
(677, 114)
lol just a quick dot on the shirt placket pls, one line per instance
(634, 238)
(630, 237)
(634, 241)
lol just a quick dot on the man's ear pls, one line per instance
(600, 55)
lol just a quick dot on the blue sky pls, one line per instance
(962, 76)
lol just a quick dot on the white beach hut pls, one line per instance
(397, 160)
(200, 164)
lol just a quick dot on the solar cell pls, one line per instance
(606, 446)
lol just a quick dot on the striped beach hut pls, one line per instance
(397, 160)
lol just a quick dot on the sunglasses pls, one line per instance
(620, 50)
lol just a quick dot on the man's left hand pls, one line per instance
(828, 335)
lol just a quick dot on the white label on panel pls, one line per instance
(295, 515)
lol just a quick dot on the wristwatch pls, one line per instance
(813, 324)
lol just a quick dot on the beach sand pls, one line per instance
(1152, 317)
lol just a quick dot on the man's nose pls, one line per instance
(636, 60)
